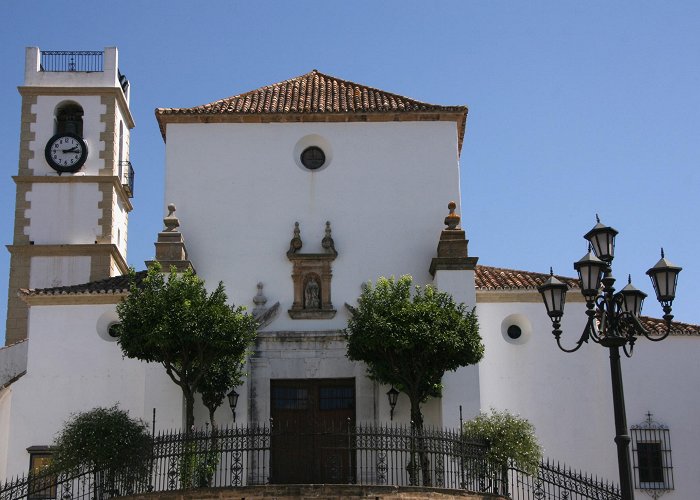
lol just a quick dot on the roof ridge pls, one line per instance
(315, 72)
(315, 96)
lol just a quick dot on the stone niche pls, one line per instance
(311, 277)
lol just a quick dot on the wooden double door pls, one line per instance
(310, 439)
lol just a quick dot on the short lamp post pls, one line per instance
(393, 396)
(613, 320)
(232, 402)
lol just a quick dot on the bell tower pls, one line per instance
(75, 180)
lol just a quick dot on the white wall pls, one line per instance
(72, 367)
(239, 190)
(662, 378)
(63, 213)
(461, 388)
(568, 397)
(13, 361)
(5, 405)
(58, 271)
(120, 225)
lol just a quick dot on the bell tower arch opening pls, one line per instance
(69, 118)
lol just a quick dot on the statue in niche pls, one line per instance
(311, 295)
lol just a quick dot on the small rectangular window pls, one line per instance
(651, 453)
(651, 467)
(336, 398)
(42, 484)
(290, 398)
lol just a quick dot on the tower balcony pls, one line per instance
(82, 68)
(126, 175)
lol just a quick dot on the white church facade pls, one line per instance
(293, 195)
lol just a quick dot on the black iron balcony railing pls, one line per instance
(126, 174)
(64, 60)
(387, 455)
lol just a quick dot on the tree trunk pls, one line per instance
(211, 418)
(189, 409)
(417, 429)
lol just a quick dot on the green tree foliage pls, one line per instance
(220, 378)
(172, 320)
(410, 337)
(103, 439)
(509, 438)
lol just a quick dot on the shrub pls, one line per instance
(509, 438)
(104, 439)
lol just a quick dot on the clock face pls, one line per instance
(66, 152)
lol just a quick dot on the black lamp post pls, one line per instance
(232, 402)
(613, 320)
(393, 396)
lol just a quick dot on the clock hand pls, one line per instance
(74, 149)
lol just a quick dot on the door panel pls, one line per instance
(310, 442)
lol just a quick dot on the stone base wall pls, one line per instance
(315, 491)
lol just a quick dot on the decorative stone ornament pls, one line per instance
(295, 244)
(263, 315)
(452, 252)
(327, 242)
(170, 221)
(311, 277)
(170, 246)
(452, 219)
(259, 300)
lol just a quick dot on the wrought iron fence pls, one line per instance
(363, 454)
(64, 60)
(559, 482)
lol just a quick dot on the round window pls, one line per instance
(313, 157)
(516, 329)
(113, 331)
(514, 332)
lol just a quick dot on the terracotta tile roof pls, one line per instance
(113, 285)
(486, 278)
(315, 96)
(658, 326)
(498, 278)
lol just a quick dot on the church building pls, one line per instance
(293, 195)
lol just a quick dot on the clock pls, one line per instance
(66, 152)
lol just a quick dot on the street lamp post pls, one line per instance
(393, 396)
(233, 402)
(613, 320)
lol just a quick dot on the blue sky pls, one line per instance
(576, 108)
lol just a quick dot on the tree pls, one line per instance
(105, 441)
(173, 321)
(220, 378)
(509, 438)
(410, 337)
(409, 340)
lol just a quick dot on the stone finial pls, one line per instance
(170, 246)
(259, 300)
(327, 243)
(295, 244)
(171, 221)
(452, 219)
(452, 252)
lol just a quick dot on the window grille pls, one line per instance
(651, 453)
